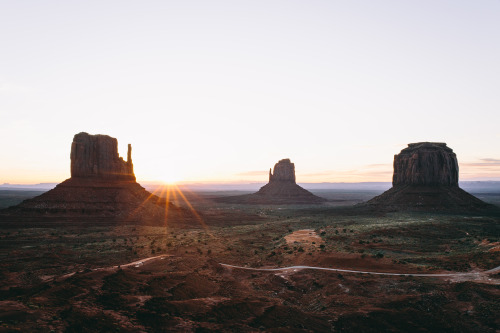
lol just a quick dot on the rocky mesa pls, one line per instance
(102, 185)
(96, 156)
(425, 178)
(426, 163)
(281, 189)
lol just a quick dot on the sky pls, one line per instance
(219, 91)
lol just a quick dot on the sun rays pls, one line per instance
(177, 190)
(163, 196)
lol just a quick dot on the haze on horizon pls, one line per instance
(219, 91)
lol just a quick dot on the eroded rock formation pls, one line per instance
(103, 185)
(96, 156)
(281, 189)
(426, 163)
(426, 178)
(284, 170)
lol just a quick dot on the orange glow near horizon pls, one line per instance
(167, 192)
(469, 171)
(170, 179)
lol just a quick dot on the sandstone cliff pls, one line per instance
(96, 156)
(426, 179)
(426, 163)
(284, 170)
(102, 185)
(281, 189)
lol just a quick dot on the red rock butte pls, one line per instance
(426, 179)
(426, 163)
(102, 184)
(96, 156)
(281, 189)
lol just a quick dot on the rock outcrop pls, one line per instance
(281, 189)
(426, 179)
(102, 185)
(284, 171)
(96, 156)
(426, 163)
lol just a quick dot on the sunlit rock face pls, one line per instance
(426, 163)
(96, 156)
(284, 170)
(426, 179)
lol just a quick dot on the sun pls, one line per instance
(164, 174)
(170, 179)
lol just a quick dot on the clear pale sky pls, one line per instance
(221, 90)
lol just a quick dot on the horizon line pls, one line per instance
(187, 183)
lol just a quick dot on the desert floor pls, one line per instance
(87, 275)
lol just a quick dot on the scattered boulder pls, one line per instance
(281, 189)
(426, 179)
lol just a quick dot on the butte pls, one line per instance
(281, 189)
(102, 185)
(426, 179)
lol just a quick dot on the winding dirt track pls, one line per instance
(140, 262)
(472, 275)
(461, 276)
(136, 263)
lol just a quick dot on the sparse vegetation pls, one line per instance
(151, 293)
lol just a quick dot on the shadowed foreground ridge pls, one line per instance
(281, 189)
(426, 178)
(102, 184)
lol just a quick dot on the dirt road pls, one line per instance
(483, 275)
